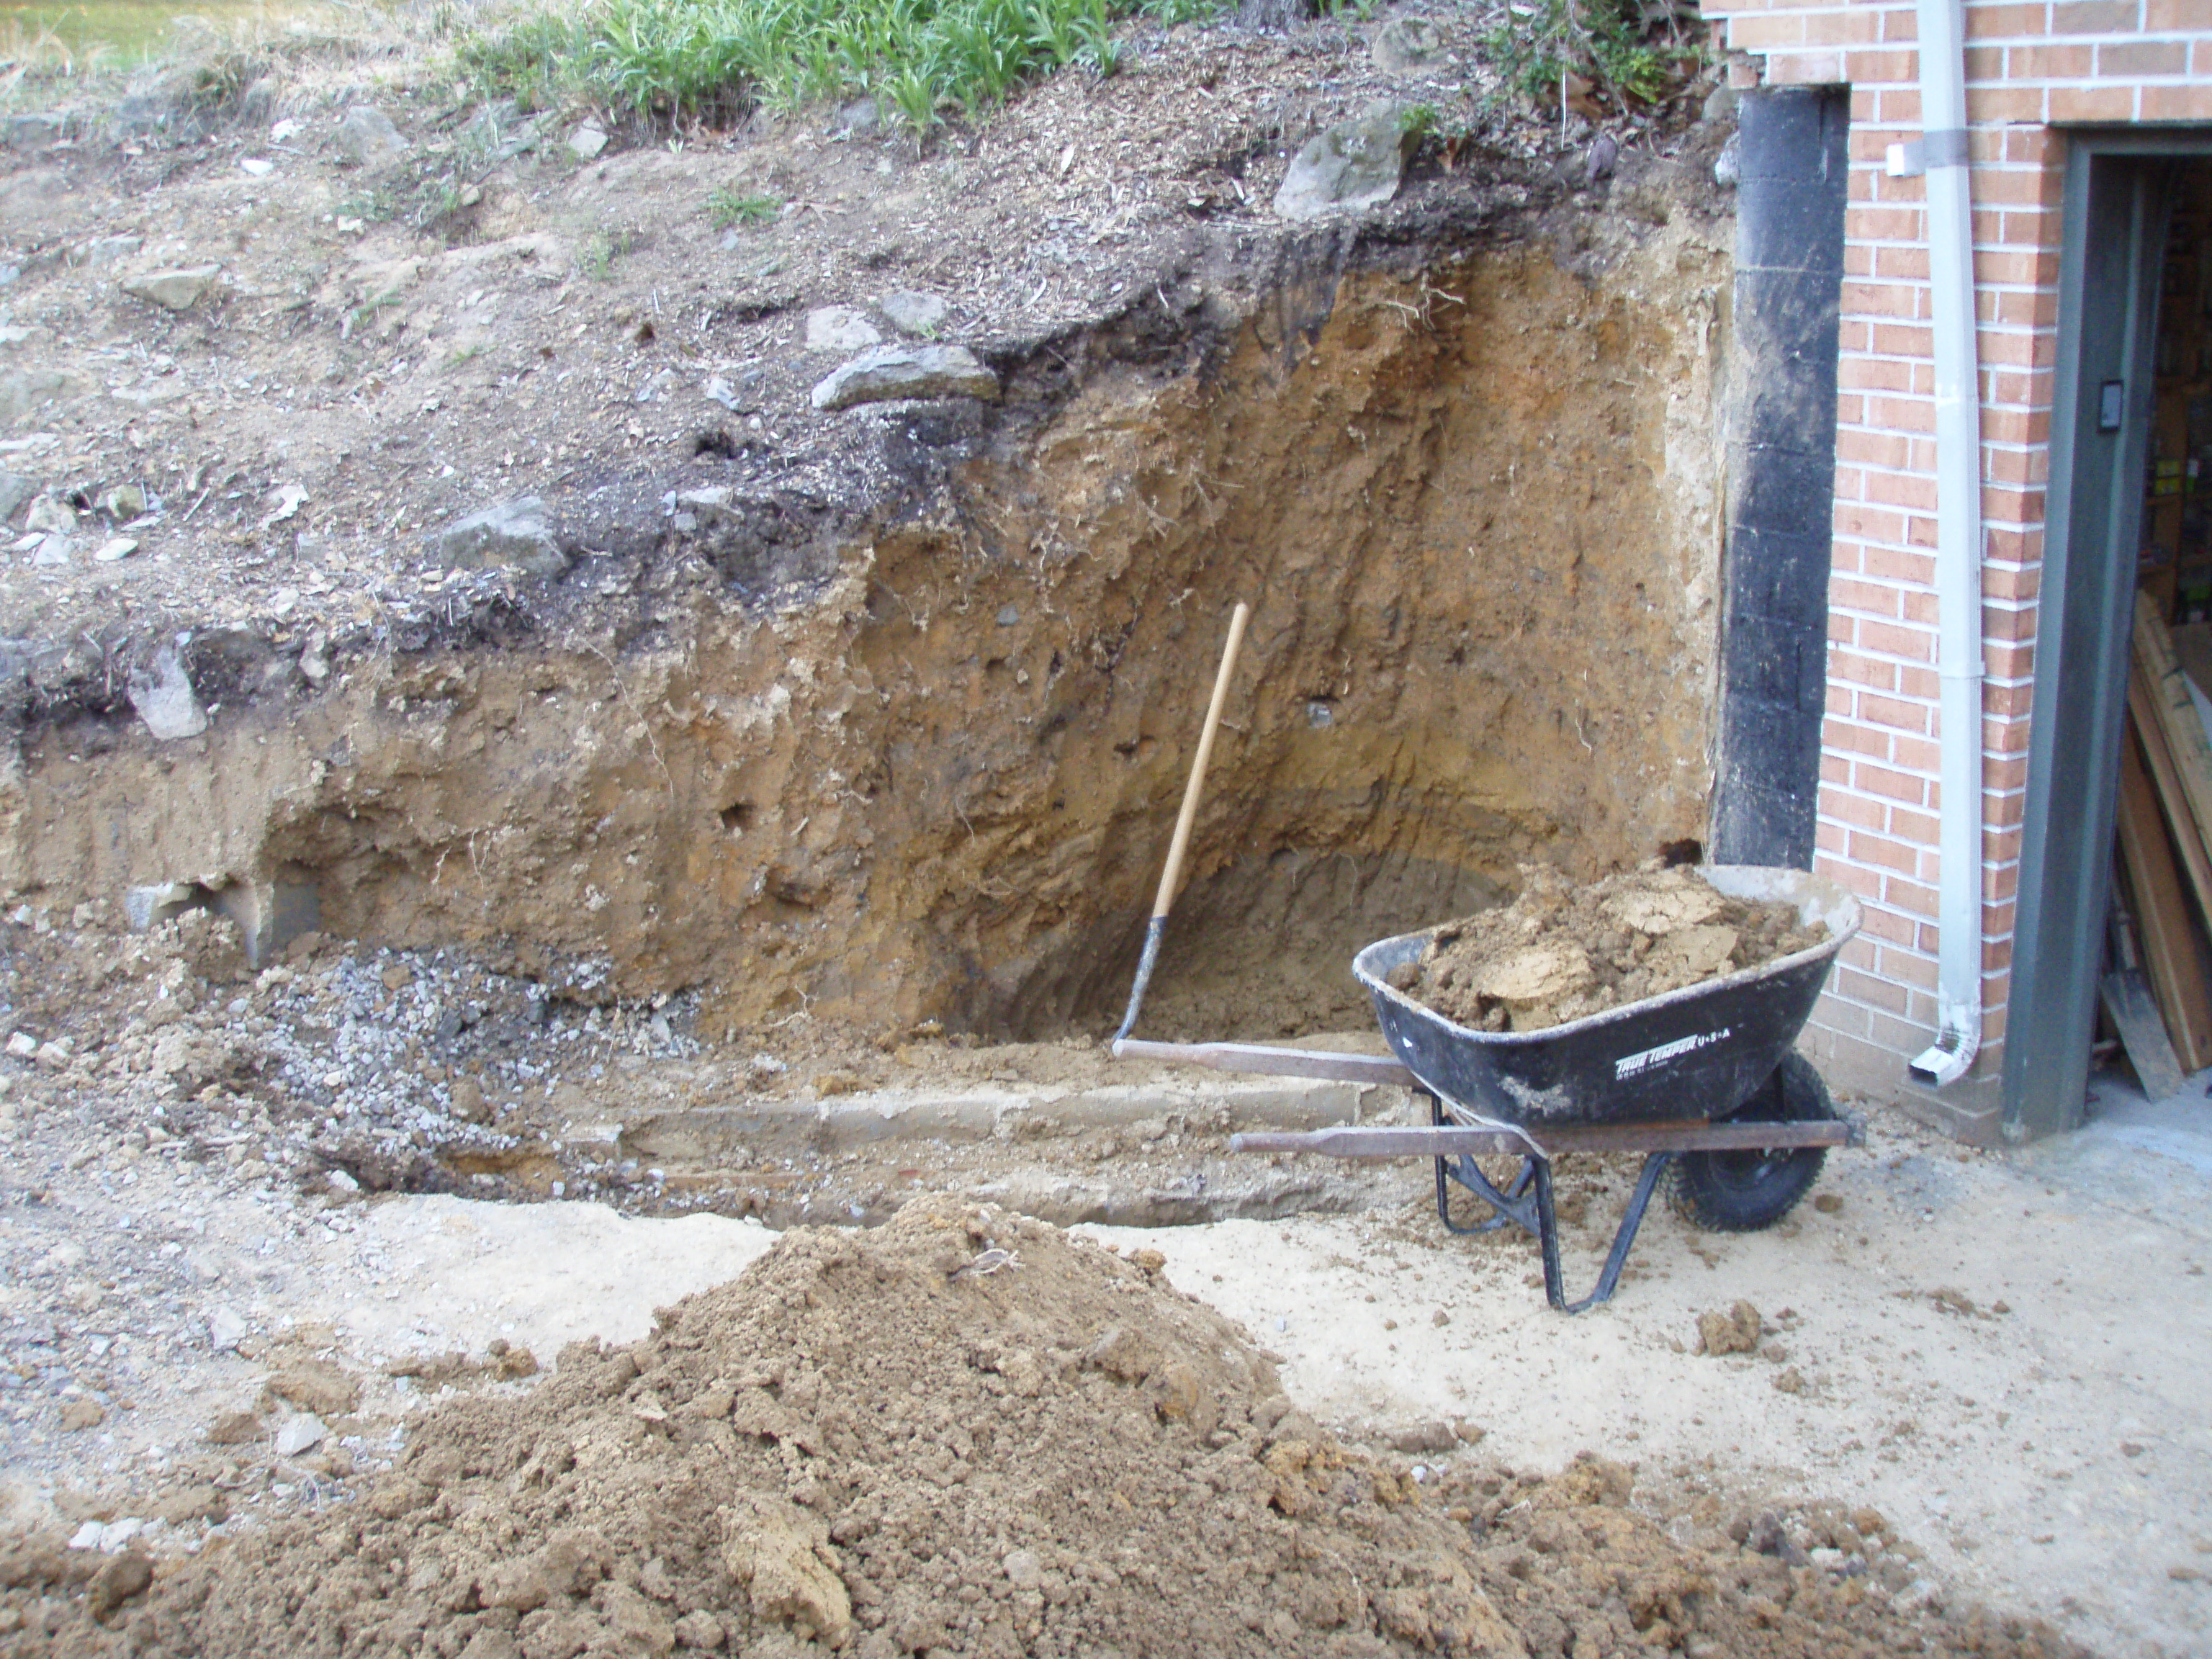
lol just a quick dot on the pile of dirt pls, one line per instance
(963, 1433)
(1561, 950)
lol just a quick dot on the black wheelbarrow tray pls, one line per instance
(1705, 1081)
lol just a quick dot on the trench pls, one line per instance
(1473, 500)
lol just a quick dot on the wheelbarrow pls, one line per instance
(1705, 1081)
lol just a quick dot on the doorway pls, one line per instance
(2123, 516)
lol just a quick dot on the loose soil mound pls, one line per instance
(1560, 951)
(963, 1433)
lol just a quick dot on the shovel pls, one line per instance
(1171, 876)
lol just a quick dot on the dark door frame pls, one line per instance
(2111, 258)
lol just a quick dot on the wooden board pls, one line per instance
(2176, 968)
(2176, 709)
(2134, 1015)
(2165, 775)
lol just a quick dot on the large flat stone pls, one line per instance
(174, 290)
(889, 373)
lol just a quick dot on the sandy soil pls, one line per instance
(1960, 1340)
(2047, 1458)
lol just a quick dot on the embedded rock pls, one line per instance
(1353, 166)
(894, 372)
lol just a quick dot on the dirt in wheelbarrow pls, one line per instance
(965, 1432)
(1563, 950)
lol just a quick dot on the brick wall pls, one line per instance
(2030, 69)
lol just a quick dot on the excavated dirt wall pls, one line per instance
(1475, 506)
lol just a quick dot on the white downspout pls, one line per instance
(1958, 537)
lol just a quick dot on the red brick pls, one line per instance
(1890, 784)
(1911, 490)
(1893, 640)
(1908, 898)
(2191, 102)
(1881, 66)
(1855, 26)
(1901, 106)
(1862, 670)
(1899, 23)
(1875, 373)
(1986, 22)
(1764, 33)
(1985, 64)
(1894, 713)
(1881, 851)
(1830, 838)
(1920, 682)
(1810, 69)
(1862, 952)
(1883, 300)
(1910, 968)
(2130, 58)
(2041, 62)
(1888, 926)
(1886, 224)
(1865, 988)
(1920, 753)
(2160, 16)
(1895, 260)
(2004, 103)
(2016, 426)
(1849, 876)
(1857, 811)
(2092, 103)
(2016, 266)
(1874, 448)
(1901, 414)
(2002, 582)
(2011, 506)
(2039, 145)
(2096, 17)
(1867, 599)
(1899, 565)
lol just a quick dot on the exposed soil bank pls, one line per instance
(1474, 509)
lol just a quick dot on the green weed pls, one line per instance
(712, 60)
(599, 252)
(727, 207)
(1603, 41)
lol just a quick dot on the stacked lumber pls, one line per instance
(2165, 847)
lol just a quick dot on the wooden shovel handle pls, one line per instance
(1172, 875)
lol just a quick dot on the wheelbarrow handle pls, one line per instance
(1271, 1062)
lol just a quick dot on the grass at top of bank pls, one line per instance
(713, 60)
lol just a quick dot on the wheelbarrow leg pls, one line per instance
(1511, 1205)
(1623, 1238)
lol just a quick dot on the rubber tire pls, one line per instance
(1745, 1192)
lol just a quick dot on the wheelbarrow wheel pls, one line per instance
(1743, 1192)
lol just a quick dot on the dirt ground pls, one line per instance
(209, 1325)
(511, 955)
